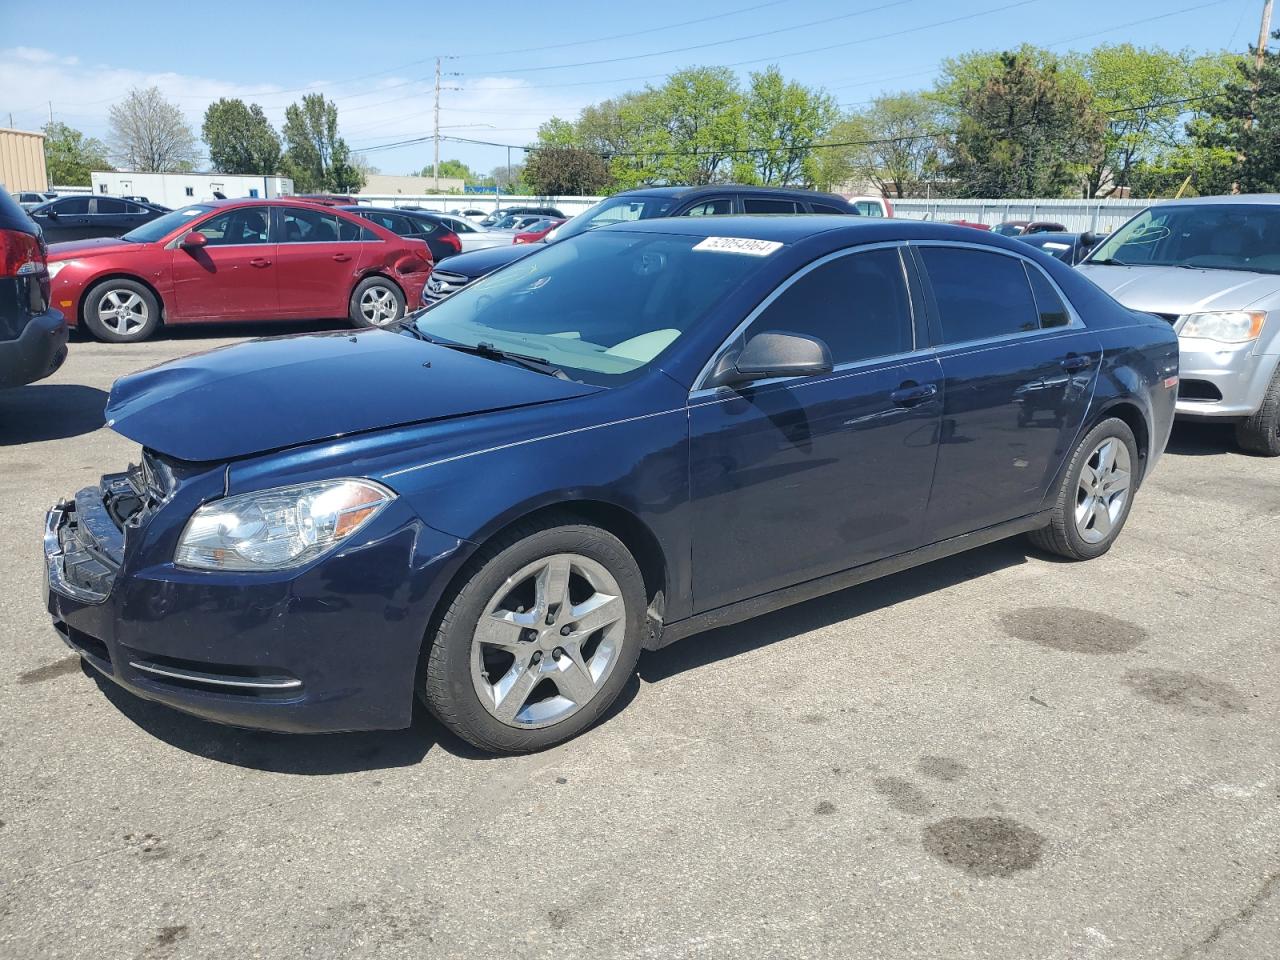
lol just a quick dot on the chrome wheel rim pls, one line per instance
(1103, 490)
(122, 311)
(547, 641)
(378, 306)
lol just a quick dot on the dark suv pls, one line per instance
(502, 212)
(33, 338)
(645, 203)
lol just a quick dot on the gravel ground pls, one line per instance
(996, 755)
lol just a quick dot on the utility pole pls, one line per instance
(436, 168)
(51, 104)
(1264, 34)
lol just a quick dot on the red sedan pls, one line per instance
(239, 260)
(536, 231)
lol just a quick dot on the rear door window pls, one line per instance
(717, 207)
(312, 226)
(856, 304)
(111, 206)
(770, 205)
(979, 295)
(828, 208)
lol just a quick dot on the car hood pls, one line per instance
(269, 394)
(477, 263)
(67, 249)
(1177, 290)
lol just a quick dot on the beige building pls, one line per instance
(22, 161)
(383, 184)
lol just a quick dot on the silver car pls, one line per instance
(1211, 267)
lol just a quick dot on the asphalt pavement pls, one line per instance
(996, 755)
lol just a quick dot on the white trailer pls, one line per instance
(175, 189)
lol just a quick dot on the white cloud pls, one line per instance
(371, 111)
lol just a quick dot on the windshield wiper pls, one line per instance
(491, 352)
(411, 328)
(1111, 262)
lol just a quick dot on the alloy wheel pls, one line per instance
(122, 311)
(1103, 491)
(547, 641)
(378, 306)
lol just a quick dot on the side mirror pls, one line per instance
(194, 240)
(773, 354)
(1089, 239)
(51, 213)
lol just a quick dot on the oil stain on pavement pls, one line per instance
(941, 768)
(984, 846)
(903, 795)
(1188, 692)
(1073, 631)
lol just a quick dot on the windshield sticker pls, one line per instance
(753, 248)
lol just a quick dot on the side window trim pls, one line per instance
(934, 318)
(698, 390)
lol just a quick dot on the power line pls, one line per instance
(716, 43)
(622, 36)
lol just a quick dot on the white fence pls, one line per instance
(1100, 216)
(444, 202)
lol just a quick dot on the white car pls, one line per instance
(871, 206)
(474, 236)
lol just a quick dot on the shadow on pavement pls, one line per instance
(49, 411)
(314, 754)
(1191, 439)
(724, 643)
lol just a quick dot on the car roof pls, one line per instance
(1268, 199)
(796, 227)
(721, 188)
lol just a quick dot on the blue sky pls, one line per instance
(520, 63)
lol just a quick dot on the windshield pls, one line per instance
(161, 227)
(600, 307)
(615, 210)
(1008, 229)
(1213, 236)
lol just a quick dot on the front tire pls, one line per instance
(540, 638)
(376, 302)
(1094, 495)
(121, 311)
(1261, 432)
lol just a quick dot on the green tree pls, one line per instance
(1143, 94)
(455, 169)
(689, 130)
(565, 171)
(70, 156)
(240, 138)
(1028, 131)
(1246, 122)
(316, 158)
(149, 134)
(783, 121)
(894, 144)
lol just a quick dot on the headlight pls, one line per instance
(1228, 326)
(57, 266)
(280, 528)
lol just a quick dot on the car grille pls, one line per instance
(442, 283)
(85, 537)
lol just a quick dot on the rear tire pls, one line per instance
(1261, 432)
(121, 311)
(515, 664)
(376, 302)
(1094, 495)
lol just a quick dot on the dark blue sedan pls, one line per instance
(616, 442)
